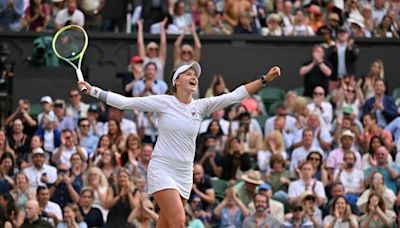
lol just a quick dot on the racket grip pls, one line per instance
(80, 79)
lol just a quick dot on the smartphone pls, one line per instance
(211, 149)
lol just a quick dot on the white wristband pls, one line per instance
(95, 92)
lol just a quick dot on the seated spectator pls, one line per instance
(64, 121)
(235, 111)
(116, 135)
(93, 114)
(135, 73)
(371, 129)
(126, 125)
(376, 214)
(337, 190)
(273, 144)
(273, 26)
(144, 159)
(86, 139)
(12, 12)
(32, 218)
(121, 199)
(316, 20)
(211, 21)
(349, 95)
(262, 216)
(50, 210)
(300, 154)
(95, 179)
(376, 71)
(22, 191)
(64, 191)
(378, 11)
(300, 26)
(394, 128)
(317, 160)
(377, 185)
(306, 183)
(78, 167)
(214, 131)
(279, 178)
(77, 109)
(298, 217)
(311, 210)
(152, 52)
(245, 25)
(49, 133)
(340, 215)
(202, 187)
(374, 144)
(347, 122)
(181, 19)
(72, 217)
(148, 126)
(143, 215)
(290, 121)
(322, 107)
(40, 174)
(93, 11)
(217, 87)
(149, 85)
(67, 148)
(252, 140)
(103, 146)
(91, 215)
(9, 212)
(233, 9)
(246, 189)
(316, 72)
(383, 106)
(69, 15)
(218, 116)
(129, 158)
(231, 210)
(300, 112)
(37, 16)
(109, 165)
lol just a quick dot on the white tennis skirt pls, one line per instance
(164, 173)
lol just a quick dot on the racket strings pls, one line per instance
(70, 43)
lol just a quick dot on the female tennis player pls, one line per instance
(170, 172)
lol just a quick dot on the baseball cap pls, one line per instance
(59, 103)
(347, 110)
(38, 151)
(194, 65)
(347, 133)
(265, 187)
(46, 99)
(136, 59)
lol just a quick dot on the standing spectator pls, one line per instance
(91, 215)
(343, 57)
(37, 16)
(93, 13)
(72, 217)
(64, 121)
(18, 141)
(252, 140)
(262, 216)
(153, 12)
(376, 71)
(180, 19)
(135, 73)
(46, 103)
(22, 113)
(340, 215)
(32, 219)
(217, 87)
(11, 12)
(376, 213)
(378, 11)
(300, 26)
(68, 147)
(273, 26)
(186, 54)
(316, 72)
(211, 21)
(153, 52)
(86, 139)
(150, 85)
(49, 133)
(69, 15)
(322, 107)
(77, 109)
(231, 210)
(39, 173)
(383, 106)
(49, 209)
(349, 96)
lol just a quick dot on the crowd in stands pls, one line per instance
(324, 157)
(361, 18)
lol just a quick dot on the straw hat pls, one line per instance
(253, 177)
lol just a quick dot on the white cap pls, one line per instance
(46, 99)
(38, 151)
(195, 66)
(347, 133)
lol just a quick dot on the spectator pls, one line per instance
(32, 219)
(49, 133)
(273, 144)
(135, 74)
(153, 53)
(116, 136)
(317, 160)
(389, 172)
(186, 54)
(376, 213)
(287, 17)
(180, 19)
(40, 174)
(383, 106)
(273, 26)
(150, 85)
(337, 190)
(233, 9)
(366, 12)
(7, 169)
(69, 15)
(64, 121)
(217, 87)
(371, 129)
(349, 97)
(340, 215)
(307, 183)
(246, 189)
(91, 215)
(96, 127)
(394, 128)
(109, 165)
(327, 38)
(95, 179)
(55, 7)
(77, 109)
(376, 72)
(37, 16)
(214, 130)
(245, 25)
(121, 199)
(218, 116)
(374, 143)
(299, 218)
(50, 210)
(252, 140)
(311, 211)
(148, 126)
(86, 139)
(64, 191)
(322, 107)
(22, 113)
(144, 159)
(11, 13)
(93, 13)
(376, 185)
(378, 11)
(231, 210)
(316, 20)
(281, 111)
(279, 178)
(143, 215)
(343, 57)
(9, 212)
(202, 187)
(300, 154)
(17, 140)
(316, 72)
(153, 12)
(126, 125)
(129, 158)
(300, 26)
(103, 145)
(262, 216)
(22, 191)
(68, 147)
(72, 217)
(211, 21)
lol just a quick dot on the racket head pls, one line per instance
(70, 42)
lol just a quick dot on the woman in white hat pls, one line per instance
(170, 172)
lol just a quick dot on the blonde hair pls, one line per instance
(280, 147)
(75, 209)
(299, 104)
(103, 179)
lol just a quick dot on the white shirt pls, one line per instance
(127, 127)
(54, 208)
(178, 123)
(263, 159)
(298, 187)
(326, 112)
(63, 16)
(290, 123)
(300, 154)
(67, 153)
(353, 181)
(341, 60)
(48, 141)
(222, 122)
(34, 175)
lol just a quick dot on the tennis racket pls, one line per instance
(70, 44)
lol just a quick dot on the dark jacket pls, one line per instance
(351, 58)
(57, 136)
(389, 107)
(39, 223)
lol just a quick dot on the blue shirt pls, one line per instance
(159, 87)
(389, 182)
(394, 128)
(10, 17)
(90, 144)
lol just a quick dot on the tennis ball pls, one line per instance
(73, 53)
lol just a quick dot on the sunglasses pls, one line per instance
(350, 91)
(186, 52)
(84, 125)
(318, 94)
(314, 159)
(153, 49)
(298, 209)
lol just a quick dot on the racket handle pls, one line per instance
(80, 79)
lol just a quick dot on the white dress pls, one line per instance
(171, 166)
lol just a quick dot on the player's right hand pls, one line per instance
(85, 84)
